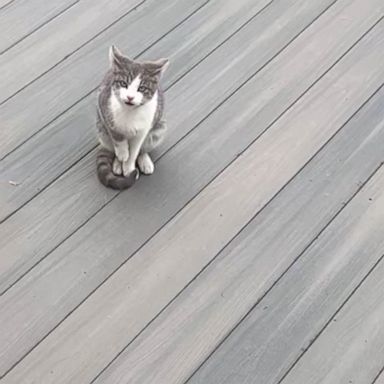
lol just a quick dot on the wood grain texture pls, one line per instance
(82, 72)
(351, 349)
(379, 380)
(5, 3)
(40, 55)
(179, 340)
(22, 17)
(282, 325)
(50, 153)
(147, 282)
(30, 242)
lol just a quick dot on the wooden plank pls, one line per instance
(379, 380)
(50, 153)
(58, 284)
(351, 349)
(282, 325)
(23, 17)
(87, 66)
(180, 339)
(59, 211)
(5, 3)
(40, 56)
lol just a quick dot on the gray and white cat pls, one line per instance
(130, 119)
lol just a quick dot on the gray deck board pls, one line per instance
(220, 297)
(86, 67)
(74, 264)
(5, 3)
(23, 17)
(254, 252)
(269, 104)
(283, 324)
(351, 348)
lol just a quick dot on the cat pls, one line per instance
(130, 121)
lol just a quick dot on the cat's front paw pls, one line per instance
(117, 168)
(145, 164)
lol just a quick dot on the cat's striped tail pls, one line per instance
(107, 177)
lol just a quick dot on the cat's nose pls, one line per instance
(130, 98)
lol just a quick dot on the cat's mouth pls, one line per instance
(129, 103)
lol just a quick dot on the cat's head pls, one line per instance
(134, 83)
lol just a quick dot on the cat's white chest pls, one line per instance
(129, 121)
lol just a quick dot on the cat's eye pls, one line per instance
(141, 89)
(123, 84)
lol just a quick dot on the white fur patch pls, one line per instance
(117, 167)
(132, 94)
(145, 164)
(129, 120)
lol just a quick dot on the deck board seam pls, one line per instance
(378, 375)
(259, 12)
(7, 4)
(36, 29)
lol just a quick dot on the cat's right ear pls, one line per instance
(116, 58)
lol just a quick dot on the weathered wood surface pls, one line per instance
(351, 348)
(379, 379)
(283, 324)
(21, 18)
(56, 280)
(218, 299)
(5, 3)
(70, 208)
(267, 192)
(197, 89)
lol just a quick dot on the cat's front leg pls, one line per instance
(117, 167)
(135, 145)
(121, 150)
(122, 155)
(120, 145)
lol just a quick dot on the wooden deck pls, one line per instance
(254, 254)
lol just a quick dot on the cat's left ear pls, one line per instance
(158, 67)
(116, 58)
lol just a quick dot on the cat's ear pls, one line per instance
(158, 67)
(162, 65)
(116, 58)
